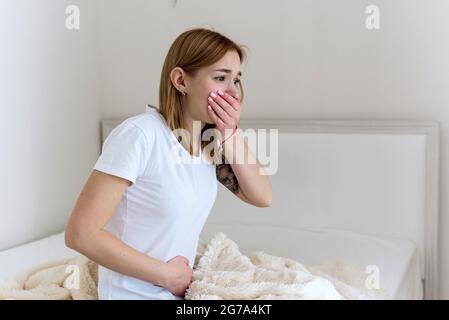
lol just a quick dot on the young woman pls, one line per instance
(141, 211)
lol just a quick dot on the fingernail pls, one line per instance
(220, 92)
(213, 94)
(210, 99)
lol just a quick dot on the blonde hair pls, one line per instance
(191, 50)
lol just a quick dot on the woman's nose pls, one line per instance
(233, 93)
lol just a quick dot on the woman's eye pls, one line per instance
(222, 77)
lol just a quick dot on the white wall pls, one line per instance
(49, 134)
(308, 59)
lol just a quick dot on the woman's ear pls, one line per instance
(177, 77)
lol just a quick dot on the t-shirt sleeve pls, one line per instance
(125, 152)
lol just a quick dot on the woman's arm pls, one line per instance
(244, 177)
(84, 233)
(243, 173)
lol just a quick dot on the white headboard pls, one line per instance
(372, 177)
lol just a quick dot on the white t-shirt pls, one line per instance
(163, 212)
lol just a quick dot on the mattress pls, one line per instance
(27, 256)
(397, 260)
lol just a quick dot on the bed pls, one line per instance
(400, 257)
(363, 192)
(21, 258)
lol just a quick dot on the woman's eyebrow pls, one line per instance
(228, 71)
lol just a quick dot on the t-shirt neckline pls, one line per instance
(172, 135)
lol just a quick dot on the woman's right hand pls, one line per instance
(179, 275)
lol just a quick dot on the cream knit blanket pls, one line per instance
(221, 271)
(69, 279)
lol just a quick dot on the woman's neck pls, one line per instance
(194, 128)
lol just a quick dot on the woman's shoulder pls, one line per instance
(149, 122)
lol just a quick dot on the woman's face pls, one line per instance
(223, 75)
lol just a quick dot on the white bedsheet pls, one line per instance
(397, 259)
(21, 258)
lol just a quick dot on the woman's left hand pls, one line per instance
(224, 110)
